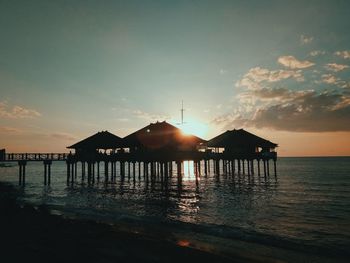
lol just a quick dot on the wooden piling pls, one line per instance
(68, 171)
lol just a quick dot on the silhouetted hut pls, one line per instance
(161, 136)
(100, 141)
(241, 141)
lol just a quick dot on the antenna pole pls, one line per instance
(182, 112)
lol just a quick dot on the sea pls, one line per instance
(302, 214)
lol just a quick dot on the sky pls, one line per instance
(279, 69)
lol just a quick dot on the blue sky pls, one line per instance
(71, 68)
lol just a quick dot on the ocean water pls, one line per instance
(305, 208)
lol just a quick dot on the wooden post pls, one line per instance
(166, 170)
(128, 170)
(83, 170)
(233, 167)
(171, 168)
(76, 170)
(112, 171)
(258, 167)
(139, 170)
(68, 171)
(179, 168)
(45, 173)
(243, 166)
(179, 172)
(106, 171)
(248, 167)
(72, 171)
(162, 172)
(274, 166)
(24, 172)
(121, 169)
(49, 175)
(145, 169)
(20, 173)
(89, 171)
(264, 161)
(268, 167)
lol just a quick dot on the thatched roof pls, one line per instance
(239, 138)
(100, 140)
(161, 135)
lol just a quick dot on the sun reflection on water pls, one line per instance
(189, 171)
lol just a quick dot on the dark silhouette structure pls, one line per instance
(2, 154)
(100, 141)
(241, 142)
(161, 136)
(153, 151)
(240, 147)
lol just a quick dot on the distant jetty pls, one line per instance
(157, 149)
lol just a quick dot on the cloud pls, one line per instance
(344, 54)
(123, 119)
(7, 129)
(62, 136)
(330, 79)
(280, 94)
(336, 67)
(293, 63)
(317, 101)
(255, 76)
(150, 117)
(316, 53)
(306, 112)
(305, 39)
(222, 71)
(17, 112)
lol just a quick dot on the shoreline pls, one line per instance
(34, 233)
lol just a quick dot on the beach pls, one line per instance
(35, 235)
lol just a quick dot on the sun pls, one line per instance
(195, 128)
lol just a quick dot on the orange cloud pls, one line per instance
(17, 112)
(336, 67)
(293, 63)
(344, 54)
(255, 76)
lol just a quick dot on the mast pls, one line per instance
(182, 112)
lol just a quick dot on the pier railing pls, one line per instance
(137, 156)
(35, 156)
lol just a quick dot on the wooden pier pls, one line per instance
(146, 165)
(159, 149)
